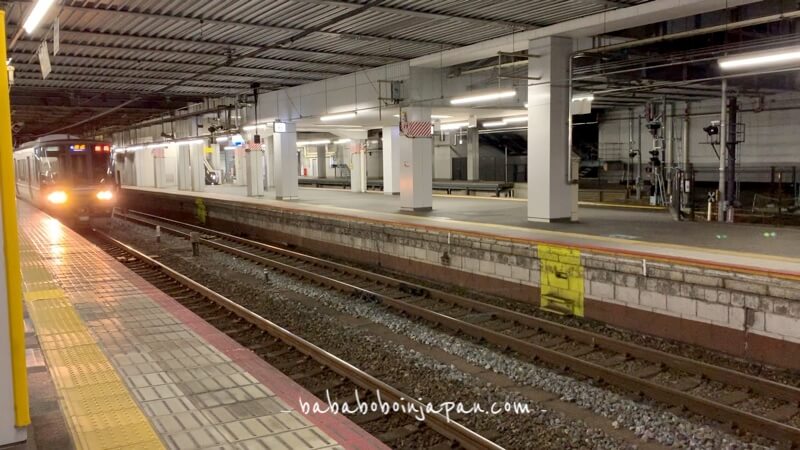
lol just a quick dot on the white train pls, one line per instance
(69, 177)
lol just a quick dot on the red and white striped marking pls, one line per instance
(416, 129)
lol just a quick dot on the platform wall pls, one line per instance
(743, 314)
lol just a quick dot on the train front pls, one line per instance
(82, 187)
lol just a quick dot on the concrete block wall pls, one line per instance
(754, 316)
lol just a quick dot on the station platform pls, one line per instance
(632, 231)
(133, 369)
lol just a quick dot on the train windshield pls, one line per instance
(74, 164)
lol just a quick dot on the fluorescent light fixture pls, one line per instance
(517, 119)
(222, 139)
(342, 141)
(190, 142)
(433, 116)
(317, 142)
(583, 97)
(495, 124)
(483, 97)
(36, 15)
(230, 147)
(766, 58)
(134, 148)
(453, 126)
(342, 116)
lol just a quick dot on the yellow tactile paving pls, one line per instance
(100, 411)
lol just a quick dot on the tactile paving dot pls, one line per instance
(82, 375)
(65, 340)
(119, 436)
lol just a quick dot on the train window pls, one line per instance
(50, 167)
(101, 166)
(81, 169)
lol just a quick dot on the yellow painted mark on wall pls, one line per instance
(100, 412)
(561, 279)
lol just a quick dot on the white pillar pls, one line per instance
(198, 169)
(286, 165)
(358, 166)
(255, 173)
(391, 160)
(322, 163)
(240, 167)
(416, 166)
(184, 171)
(159, 167)
(550, 196)
(473, 150)
(269, 161)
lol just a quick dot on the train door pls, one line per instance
(29, 177)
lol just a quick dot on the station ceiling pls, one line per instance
(155, 55)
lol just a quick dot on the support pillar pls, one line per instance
(269, 161)
(322, 163)
(473, 150)
(14, 404)
(240, 167)
(551, 194)
(416, 166)
(391, 160)
(255, 173)
(286, 164)
(184, 171)
(159, 167)
(358, 166)
(198, 169)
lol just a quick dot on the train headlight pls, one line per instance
(57, 197)
(105, 195)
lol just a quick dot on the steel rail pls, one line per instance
(703, 406)
(439, 423)
(722, 374)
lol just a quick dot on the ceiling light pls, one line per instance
(230, 147)
(342, 116)
(769, 58)
(254, 127)
(317, 142)
(342, 141)
(583, 97)
(190, 142)
(518, 119)
(498, 123)
(433, 116)
(453, 126)
(483, 97)
(36, 15)
(222, 139)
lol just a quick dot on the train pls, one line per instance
(66, 176)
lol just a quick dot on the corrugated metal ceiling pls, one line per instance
(205, 48)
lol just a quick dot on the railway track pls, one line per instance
(314, 368)
(743, 401)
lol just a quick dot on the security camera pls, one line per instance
(713, 128)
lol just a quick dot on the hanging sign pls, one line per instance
(56, 37)
(44, 60)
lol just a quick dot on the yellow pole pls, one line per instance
(16, 325)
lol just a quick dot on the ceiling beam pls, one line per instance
(428, 15)
(76, 48)
(75, 33)
(194, 68)
(89, 74)
(174, 18)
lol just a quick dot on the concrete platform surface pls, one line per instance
(649, 233)
(134, 369)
